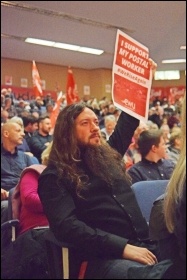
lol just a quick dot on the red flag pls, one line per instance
(36, 81)
(56, 109)
(71, 89)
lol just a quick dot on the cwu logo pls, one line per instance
(129, 104)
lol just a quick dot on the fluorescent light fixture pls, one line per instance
(40, 42)
(167, 75)
(64, 46)
(90, 50)
(182, 47)
(174, 61)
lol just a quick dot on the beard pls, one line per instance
(104, 162)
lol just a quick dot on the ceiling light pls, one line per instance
(39, 42)
(90, 50)
(182, 47)
(64, 46)
(174, 61)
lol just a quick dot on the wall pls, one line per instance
(56, 76)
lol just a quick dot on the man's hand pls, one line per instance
(138, 254)
(4, 194)
(153, 66)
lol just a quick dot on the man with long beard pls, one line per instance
(87, 197)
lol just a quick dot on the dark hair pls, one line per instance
(65, 152)
(147, 139)
(29, 119)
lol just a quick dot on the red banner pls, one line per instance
(36, 81)
(56, 109)
(71, 89)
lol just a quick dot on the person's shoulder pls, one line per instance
(49, 170)
(168, 162)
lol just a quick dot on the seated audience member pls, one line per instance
(9, 107)
(166, 133)
(30, 124)
(88, 200)
(13, 161)
(152, 125)
(4, 116)
(153, 165)
(168, 215)
(26, 203)
(174, 147)
(109, 125)
(26, 258)
(154, 117)
(132, 154)
(24, 147)
(41, 138)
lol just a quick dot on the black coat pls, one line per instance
(102, 223)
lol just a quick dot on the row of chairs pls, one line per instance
(61, 255)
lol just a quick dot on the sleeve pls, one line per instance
(31, 160)
(135, 174)
(29, 192)
(62, 215)
(123, 133)
(36, 146)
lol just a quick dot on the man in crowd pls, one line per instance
(13, 162)
(42, 137)
(153, 166)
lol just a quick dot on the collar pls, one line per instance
(7, 153)
(152, 162)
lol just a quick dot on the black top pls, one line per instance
(107, 218)
(37, 144)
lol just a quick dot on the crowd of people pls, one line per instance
(89, 162)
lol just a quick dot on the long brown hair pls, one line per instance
(65, 153)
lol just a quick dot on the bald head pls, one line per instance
(8, 126)
(12, 134)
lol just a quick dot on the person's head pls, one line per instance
(36, 115)
(142, 126)
(77, 125)
(77, 139)
(12, 134)
(45, 154)
(175, 139)
(151, 144)
(30, 123)
(4, 116)
(49, 108)
(17, 120)
(39, 101)
(44, 125)
(166, 131)
(110, 123)
(21, 103)
(8, 102)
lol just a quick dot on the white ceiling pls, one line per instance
(159, 25)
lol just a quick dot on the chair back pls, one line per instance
(146, 192)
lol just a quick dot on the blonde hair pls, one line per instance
(174, 190)
(45, 154)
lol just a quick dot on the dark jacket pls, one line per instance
(146, 170)
(101, 224)
(37, 144)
